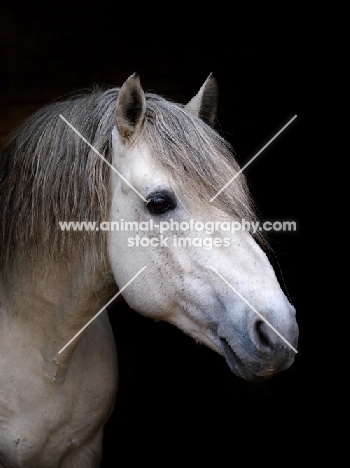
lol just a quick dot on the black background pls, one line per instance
(174, 393)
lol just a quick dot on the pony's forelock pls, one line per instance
(49, 174)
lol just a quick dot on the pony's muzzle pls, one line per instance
(264, 351)
(275, 347)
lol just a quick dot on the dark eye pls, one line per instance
(159, 203)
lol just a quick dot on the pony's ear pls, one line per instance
(131, 107)
(204, 103)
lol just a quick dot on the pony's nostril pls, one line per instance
(262, 334)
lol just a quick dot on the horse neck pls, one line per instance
(45, 307)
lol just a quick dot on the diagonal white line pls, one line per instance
(261, 316)
(102, 157)
(179, 199)
(103, 308)
(257, 154)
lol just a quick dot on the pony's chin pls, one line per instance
(236, 364)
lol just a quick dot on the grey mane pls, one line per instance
(48, 174)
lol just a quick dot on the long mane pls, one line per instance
(49, 174)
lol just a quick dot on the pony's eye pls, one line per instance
(159, 203)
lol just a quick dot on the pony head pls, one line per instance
(211, 281)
